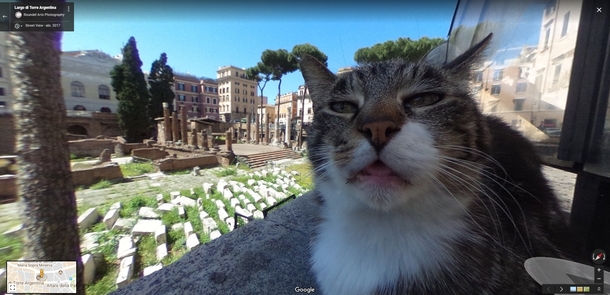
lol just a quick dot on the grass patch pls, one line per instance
(147, 250)
(104, 282)
(226, 172)
(102, 184)
(135, 169)
(15, 252)
(171, 217)
(305, 177)
(242, 178)
(131, 206)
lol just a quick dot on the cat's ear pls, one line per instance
(317, 76)
(464, 62)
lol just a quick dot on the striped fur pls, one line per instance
(472, 206)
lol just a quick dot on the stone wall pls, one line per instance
(7, 135)
(173, 164)
(128, 147)
(90, 147)
(8, 188)
(93, 175)
(150, 153)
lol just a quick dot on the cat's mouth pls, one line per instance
(377, 174)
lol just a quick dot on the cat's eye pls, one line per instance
(423, 100)
(343, 107)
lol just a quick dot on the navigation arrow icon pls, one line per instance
(4, 16)
(560, 289)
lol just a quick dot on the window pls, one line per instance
(566, 20)
(245, 111)
(495, 89)
(194, 88)
(251, 93)
(309, 111)
(547, 37)
(2, 91)
(194, 99)
(550, 8)
(0, 72)
(78, 89)
(2, 104)
(244, 99)
(519, 104)
(105, 110)
(557, 73)
(180, 86)
(478, 77)
(521, 87)
(498, 75)
(103, 92)
(236, 83)
(79, 108)
(214, 100)
(207, 100)
(237, 109)
(236, 90)
(181, 97)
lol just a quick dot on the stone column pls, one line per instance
(204, 140)
(288, 127)
(167, 123)
(175, 128)
(193, 138)
(183, 126)
(248, 128)
(229, 140)
(267, 129)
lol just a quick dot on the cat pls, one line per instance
(421, 193)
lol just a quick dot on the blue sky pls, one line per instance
(200, 37)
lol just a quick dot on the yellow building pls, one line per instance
(307, 105)
(237, 94)
(287, 104)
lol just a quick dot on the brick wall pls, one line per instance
(173, 164)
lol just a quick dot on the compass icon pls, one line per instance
(598, 256)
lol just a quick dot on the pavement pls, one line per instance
(249, 149)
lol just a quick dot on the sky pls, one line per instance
(201, 36)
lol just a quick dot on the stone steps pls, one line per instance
(260, 159)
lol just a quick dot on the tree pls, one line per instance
(259, 73)
(403, 48)
(298, 51)
(44, 180)
(280, 62)
(130, 86)
(161, 82)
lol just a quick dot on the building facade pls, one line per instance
(85, 80)
(237, 94)
(6, 92)
(287, 104)
(186, 90)
(209, 98)
(307, 105)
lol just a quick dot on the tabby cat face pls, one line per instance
(387, 134)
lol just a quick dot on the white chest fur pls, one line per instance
(358, 249)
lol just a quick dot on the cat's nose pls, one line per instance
(379, 132)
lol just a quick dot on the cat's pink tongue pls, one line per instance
(379, 169)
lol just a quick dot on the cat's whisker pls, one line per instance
(504, 205)
(499, 243)
(456, 179)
